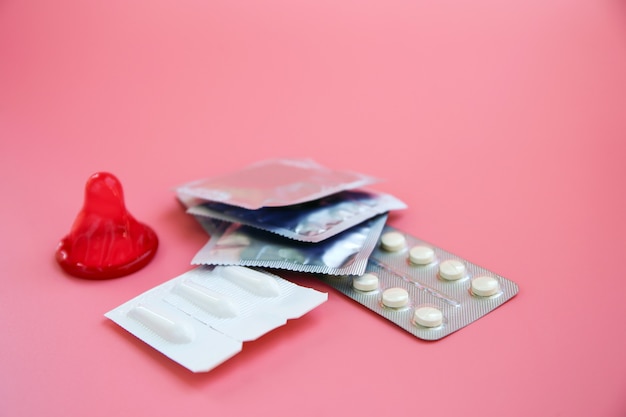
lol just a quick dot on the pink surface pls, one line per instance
(501, 124)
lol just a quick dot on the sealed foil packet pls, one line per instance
(274, 183)
(313, 221)
(423, 289)
(237, 244)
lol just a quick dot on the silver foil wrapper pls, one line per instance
(236, 244)
(308, 222)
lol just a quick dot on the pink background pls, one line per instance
(500, 123)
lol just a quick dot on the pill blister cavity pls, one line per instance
(421, 255)
(210, 301)
(427, 316)
(253, 281)
(452, 270)
(393, 241)
(366, 283)
(485, 286)
(395, 297)
(161, 323)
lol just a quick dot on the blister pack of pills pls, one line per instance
(200, 319)
(237, 244)
(313, 221)
(425, 290)
(275, 183)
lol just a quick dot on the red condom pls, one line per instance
(105, 241)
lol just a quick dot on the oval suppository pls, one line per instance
(210, 301)
(163, 324)
(256, 282)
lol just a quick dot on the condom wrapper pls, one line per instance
(274, 183)
(313, 221)
(237, 244)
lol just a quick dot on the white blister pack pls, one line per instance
(425, 290)
(200, 319)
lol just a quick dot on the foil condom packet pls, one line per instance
(312, 221)
(275, 183)
(201, 318)
(343, 254)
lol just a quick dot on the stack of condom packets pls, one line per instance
(289, 214)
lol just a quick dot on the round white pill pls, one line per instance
(485, 286)
(452, 270)
(393, 241)
(366, 282)
(421, 255)
(395, 297)
(428, 316)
